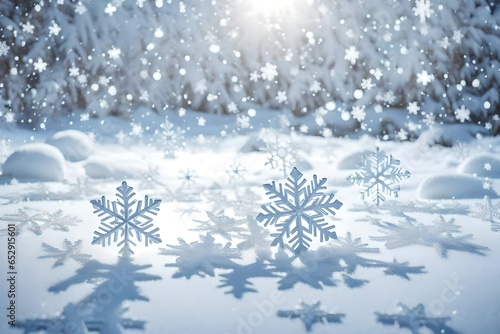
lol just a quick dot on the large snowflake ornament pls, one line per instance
(379, 176)
(297, 211)
(126, 219)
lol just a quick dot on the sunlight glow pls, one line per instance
(269, 8)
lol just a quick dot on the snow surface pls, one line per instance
(453, 186)
(481, 165)
(34, 162)
(214, 252)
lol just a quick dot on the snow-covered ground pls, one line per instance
(426, 261)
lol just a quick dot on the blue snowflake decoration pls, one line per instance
(379, 176)
(126, 219)
(297, 211)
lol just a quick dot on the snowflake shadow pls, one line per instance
(315, 268)
(101, 310)
(416, 318)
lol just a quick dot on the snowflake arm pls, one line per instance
(303, 207)
(119, 220)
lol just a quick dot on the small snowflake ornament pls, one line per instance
(415, 319)
(297, 211)
(488, 211)
(311, 314)
(379, 176)
(126, 219)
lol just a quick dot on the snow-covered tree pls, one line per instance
(436, 60)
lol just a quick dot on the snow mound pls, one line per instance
(481, 165)
(453, 187)
(353, 160)
(253, 144)
(118, 169)
(35, 162)
(74, 145)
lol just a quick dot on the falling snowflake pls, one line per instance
(311, 314)
(269, 72)
(74, 71)
(367, 84)
(119, 219)
(462, 114)
(457, 36)
(439, 235)
(188, 177)
(4, 48)
(489, 212)
(114, 53)
(315, 87)
(201, 257)
(413, 108)
(54, 29)
(137, 130)
(377, 73)
(303, 206)
(71, 251)
(170, 138)
(28, 28)
(281, 96)
(281, 155)
(236, 171)
(358, 113)
(415, 319)
(254, 76)
(424, 77)
(232, 107)
(80, 8)
(9, 117)
(40, 65)
(445, 43)
(389, 97)
(151, 178)
(243, 121)
(110, 9)
(351, 55)
(379, 176)
(422, 10)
